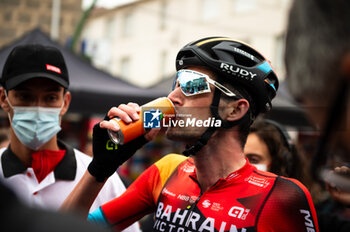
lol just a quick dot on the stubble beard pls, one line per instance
(187, 135)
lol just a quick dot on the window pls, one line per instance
(125, 67)
(210, 9)
(244, 5)
(100, 52)
(110, 27)
(127, 27)
(279, 62)
(162, 16)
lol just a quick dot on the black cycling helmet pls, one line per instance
(236, 63)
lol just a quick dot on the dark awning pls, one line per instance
(93, 91)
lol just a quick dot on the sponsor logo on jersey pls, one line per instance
(167, 192)
(191, 199)
(238, 212)
(232, 176)
(216, 207)
(260, 182)
(188, 168)
(171, 220)
(308, 222)
(206, 203)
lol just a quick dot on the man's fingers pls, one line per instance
(110, 125)
(135, 106)
(131, 110)
(127, 113)
(342, 170)
(116, 112)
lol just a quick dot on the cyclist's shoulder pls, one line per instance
(171, 160)
(281, 183)
(168, 164)
(290, 187)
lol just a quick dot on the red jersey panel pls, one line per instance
(247, 200)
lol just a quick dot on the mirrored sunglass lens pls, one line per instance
(193, 85)
(174, 82)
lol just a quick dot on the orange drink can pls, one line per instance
(152, 115)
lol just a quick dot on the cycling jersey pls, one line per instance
(246, 200)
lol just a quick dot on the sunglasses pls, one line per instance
(194, 83)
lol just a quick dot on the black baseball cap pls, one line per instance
(32, 61)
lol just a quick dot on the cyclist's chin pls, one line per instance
(187, 135)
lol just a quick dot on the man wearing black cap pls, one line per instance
(41, 169)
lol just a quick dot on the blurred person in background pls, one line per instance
(4, 137)
(317, 61)
(270, 148)
(88, 147)
(338, 201)
(16, 216)
(41, 169)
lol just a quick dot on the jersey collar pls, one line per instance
(65, 170)
(243, 172)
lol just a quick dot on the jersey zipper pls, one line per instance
(192, 206)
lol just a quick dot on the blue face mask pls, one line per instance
(34, 126)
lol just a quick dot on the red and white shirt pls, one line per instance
(57, 185)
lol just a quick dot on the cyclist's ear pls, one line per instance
(235, 110)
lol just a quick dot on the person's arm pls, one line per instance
(83, 195)
(140, 198)
(288, 208)
(105, 160)
(104, 163)
(137, 201)
(336, 190)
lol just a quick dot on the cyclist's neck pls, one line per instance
(220, 157)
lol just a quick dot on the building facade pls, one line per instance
(139, 41)
(20, 16)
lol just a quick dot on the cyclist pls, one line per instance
(213, 187)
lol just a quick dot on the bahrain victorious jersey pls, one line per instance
(247, 200)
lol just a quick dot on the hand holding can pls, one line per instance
(108, 156)
(152, 115)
